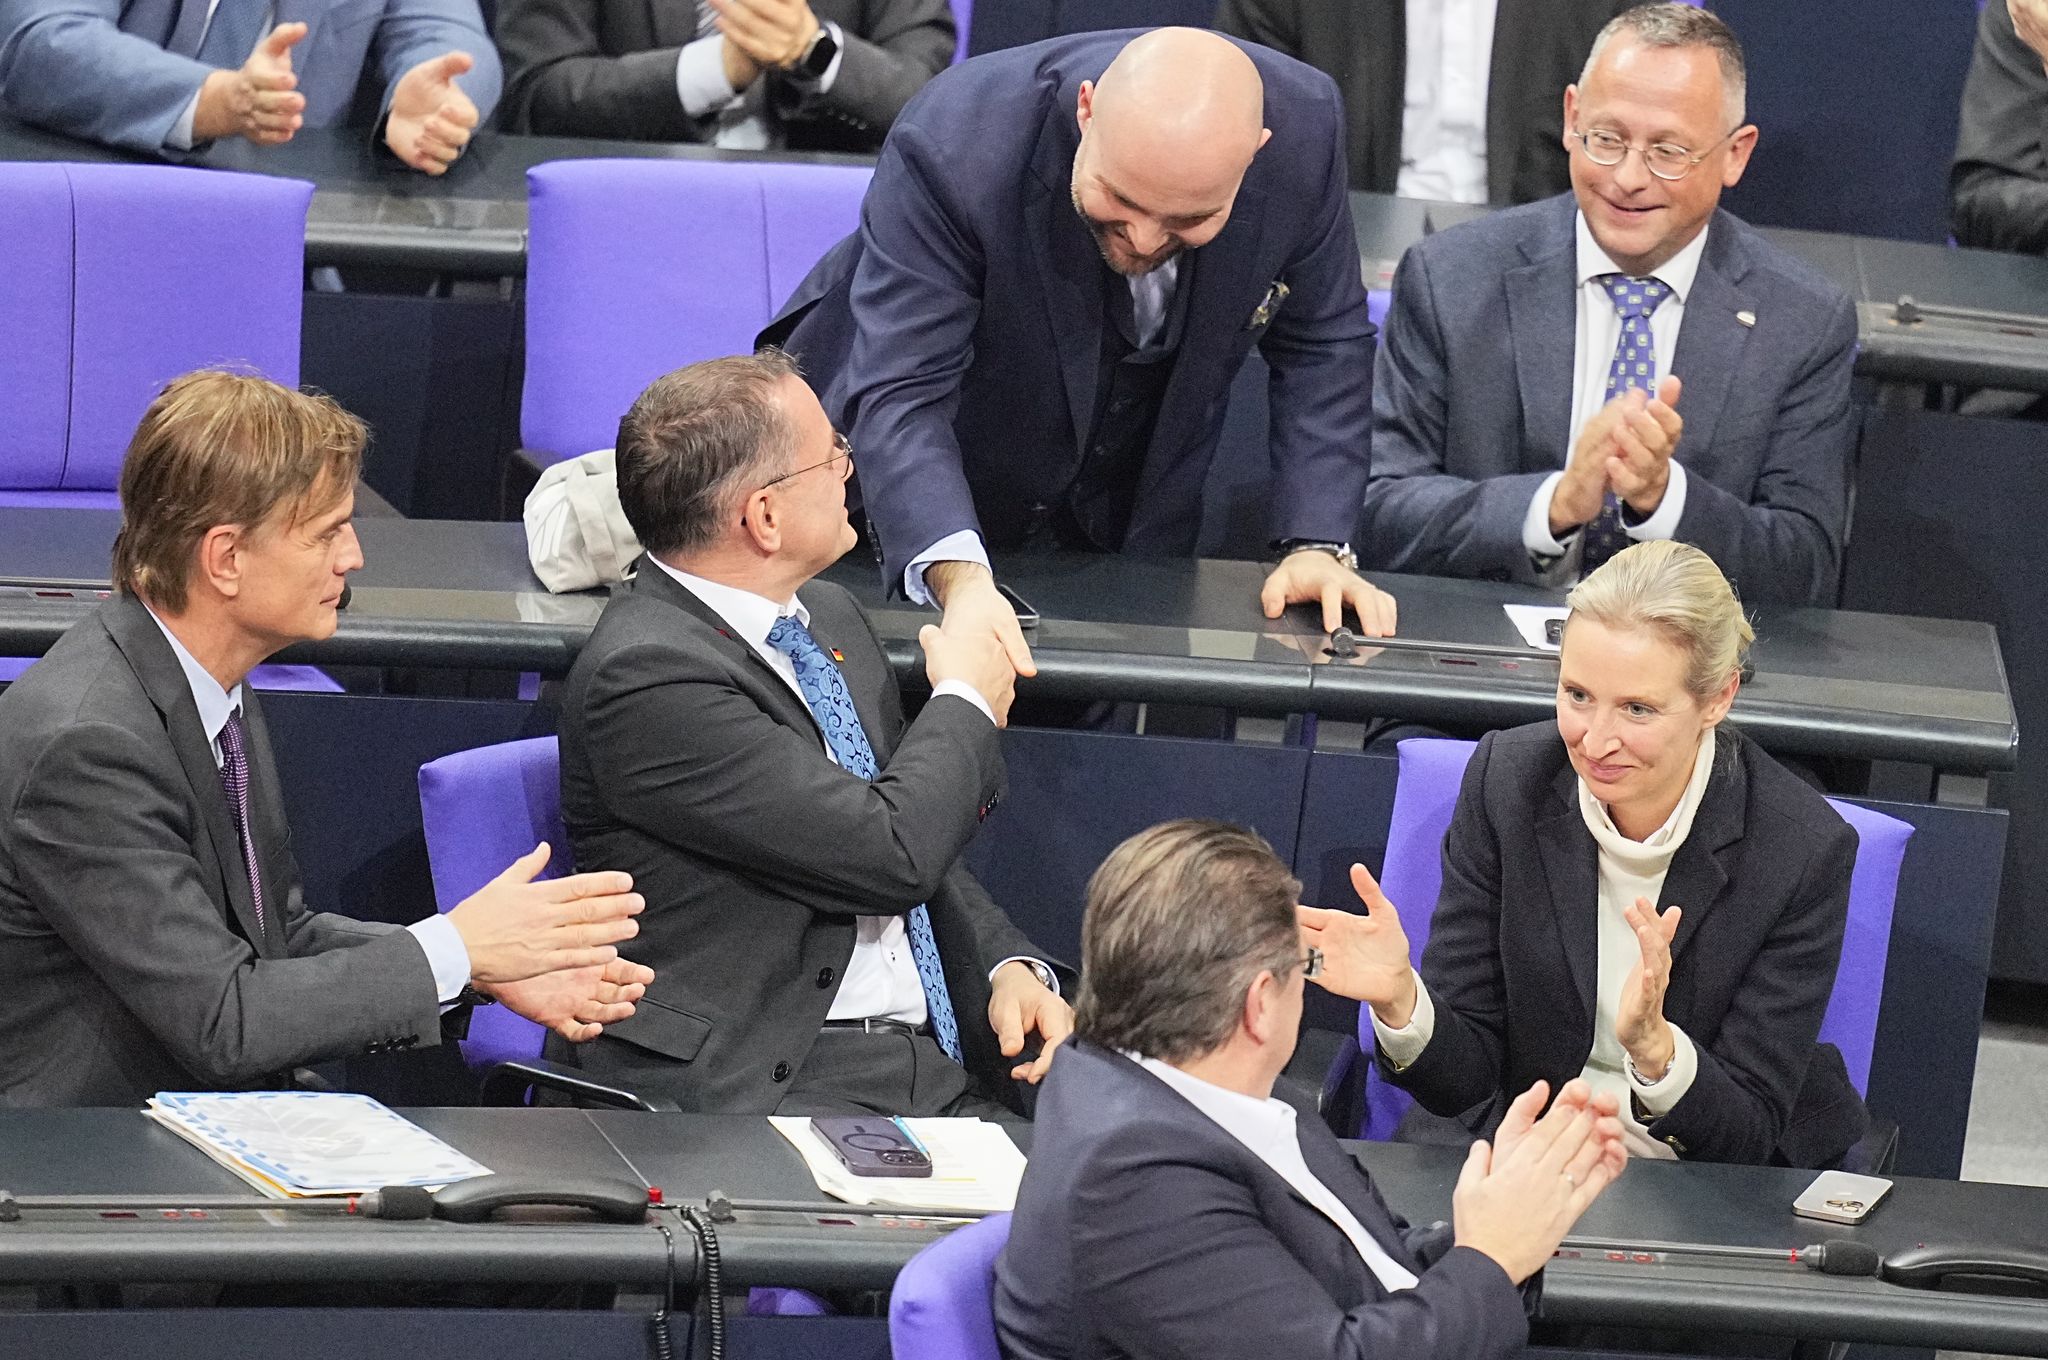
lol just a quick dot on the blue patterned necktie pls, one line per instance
(234, 781)
(824, 690)
(1635, 365)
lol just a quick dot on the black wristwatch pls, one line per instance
(1341, 551)
(817, 58)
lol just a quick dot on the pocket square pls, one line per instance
(1262, 315)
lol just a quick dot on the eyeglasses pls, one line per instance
(1666, 160)
(841, 449)
(1312, 966)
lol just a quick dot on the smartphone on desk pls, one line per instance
(1841, 1197)
(872, 1146)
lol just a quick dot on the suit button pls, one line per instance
(825, 977)
(781, 1072)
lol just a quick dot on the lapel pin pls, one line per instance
(1276, 293)
(839, 656)
(1746, 318)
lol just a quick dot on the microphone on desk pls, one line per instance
(1827, 1258)
(393, 1201)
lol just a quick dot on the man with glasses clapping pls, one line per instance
(1631, 362)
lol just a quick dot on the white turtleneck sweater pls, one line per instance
(1628, 870)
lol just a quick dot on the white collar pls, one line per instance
(1254, 1122)
(751, 616)
(215, 704)
(1676, 273)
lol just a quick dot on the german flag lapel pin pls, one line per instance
(838, 655)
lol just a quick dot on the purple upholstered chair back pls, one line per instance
(101, 314)
(1427, 793)
(942, 1305)
(963, 23)
(481, 810)
(637, 267)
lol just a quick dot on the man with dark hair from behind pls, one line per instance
(733, 737)
(1173, 1207)
(156, 935)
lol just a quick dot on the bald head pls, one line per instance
(1167, 134)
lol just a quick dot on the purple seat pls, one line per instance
(942, 1305)
(963, 23)
(101, 315)
(1426, 795)
(481, 810)
(637, 267)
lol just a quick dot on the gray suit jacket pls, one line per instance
(607, 68)
(1998, 186)
(688, 762)
(1472, 402)
(1538, 48)
(132, 962)
(100, 69)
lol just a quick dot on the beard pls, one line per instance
(1114, 254)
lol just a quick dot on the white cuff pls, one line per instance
(962, 690)
(962, 545)
(179, 138)
(1404, 1045)
(1045, 974)
(446, 954)
(1536, 535)
(700, 76)
(1658, 1097)
(1663, 522)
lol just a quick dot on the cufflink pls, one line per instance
(1276, 293)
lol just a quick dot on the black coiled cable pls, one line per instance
(713, 1281)
(664, 1339)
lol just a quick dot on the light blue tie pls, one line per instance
(824, 689)
(1635, 365)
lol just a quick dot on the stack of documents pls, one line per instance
(974, 1166)
(294, 1144)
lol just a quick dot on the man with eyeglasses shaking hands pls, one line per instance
(1627, 362)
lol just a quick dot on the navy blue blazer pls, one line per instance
(101, 69)
(1514, 952)
(1473, 404)
(1143, 1229)
(957, 336)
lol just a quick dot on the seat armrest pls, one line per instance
(507, 1082)
(1876, 1153)
(1326, 1079)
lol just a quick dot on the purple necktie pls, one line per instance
(1635, 365)
(234, 778)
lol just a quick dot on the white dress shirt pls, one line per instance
(744, 120)
(1598, 333)
(446, 955)
(880, 980)
(1449, 64)
(1151, 296)
(1628, 870)
(1266, 1128)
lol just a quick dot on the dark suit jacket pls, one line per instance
(1998, 186)
(130, 961)
(691, 764)
(1144, 1229)
(1473, 399)
(1539, 47)
(607, 68)
(969, 382)
(1763, 877)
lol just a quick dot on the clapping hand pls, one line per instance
(1365, 957)
(1516, 1199)
(1639, 1020)
(431, 119)
(259, 100)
